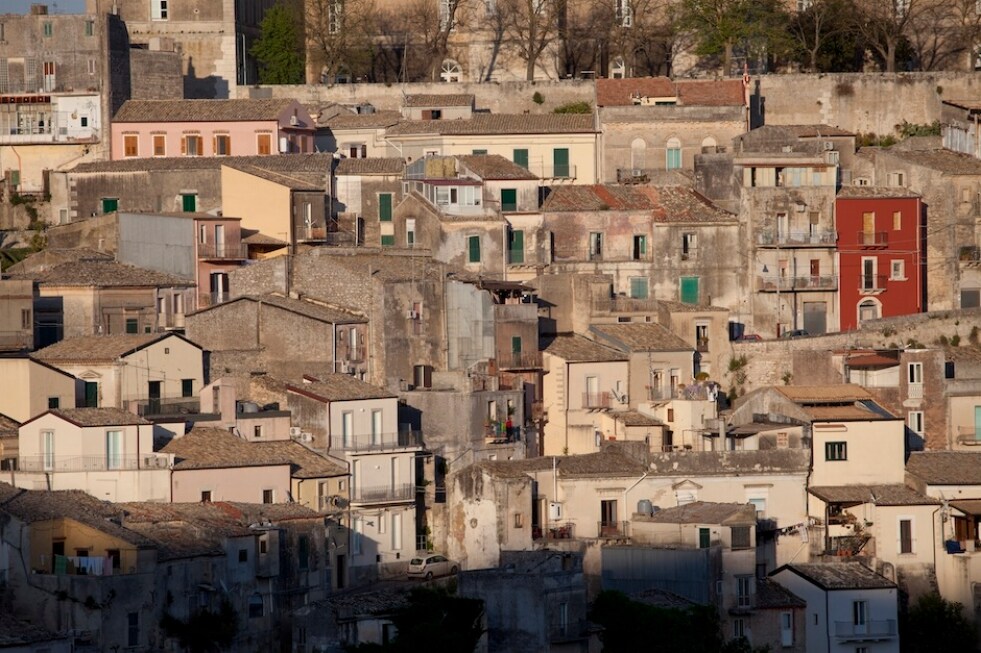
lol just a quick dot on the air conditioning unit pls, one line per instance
(295, 432)
(637, 172)
(306, 437)
(294, 121)
(828, 146)
(624, 399)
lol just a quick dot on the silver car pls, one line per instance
(432, 565)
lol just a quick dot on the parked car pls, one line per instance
(753, 337)
(432, 565)
(796, 333)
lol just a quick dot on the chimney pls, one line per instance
(39, 10)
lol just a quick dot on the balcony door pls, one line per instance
(153, 394)
(114, 449)
(860, 617)
(608, 516)
(219, 240)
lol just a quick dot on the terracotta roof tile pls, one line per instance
(8, 427)
(209, 447)
(438, 100)
(620, 92)
(874, 192)
(682, 464)
(106, 274)
(640, 336)
(715, 93)
(99, 416)
(370, 166)
(816, 394)
(945, 467)
(52, 257)
(635, 418)
(575, 348)
(711, 93)
(705, 512)
(97, 348)
(350, 120)
(201, 110)
(667, 204)
(944, 161)
(771, 594)
(881, 495)
(495, 166)
(339, 387)
(305, 462)
(500, 123)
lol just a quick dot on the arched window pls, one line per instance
(451, 71)
(638, 154)
(709, 146)
(673, 154)
(869, 309)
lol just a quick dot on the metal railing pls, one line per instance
(804, 282)
(206, 299)
(914, 391)
(596, 399)
(16, 339)
(969, 435)
(520, 360)
(821, 238)
(565, 531)
(612, 528)
(555, 172)
(868, 283)
(223, 250)
(173, 406)
(102, 463)
(310, 233)
(376, 441)
(873, 238)
(383, 493)
(625, 305)
(872, 629)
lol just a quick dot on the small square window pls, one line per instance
(835, 451)
(267, 496)
(206, 496)
(243, 555)
(53, 403)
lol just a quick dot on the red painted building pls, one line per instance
(880, 253)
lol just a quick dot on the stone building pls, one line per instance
(364, 193)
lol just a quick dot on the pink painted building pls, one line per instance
(162, 128)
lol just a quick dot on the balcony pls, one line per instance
(821, 282)
(871, 284)
(702, 345)
(177, 406)
(969, 435)
(565, 531)
(869, 631)
(368, 442)
(625, 305)
(63, 135)
(520, 360)
(617, 529)
(873, 238)
(223, 251)
(594, 400)
(310, 233)
(102, 463)
(384, 493)
(914, 391)
(16, 340)
(797, 239)
(207, 299)
(567, 171)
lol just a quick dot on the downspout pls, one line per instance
(625, 492)
(333, 346)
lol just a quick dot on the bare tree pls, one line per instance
(815, 25)
(431, 23)
(338, 36)
(934, 34)
(884, 24)
(530, 28)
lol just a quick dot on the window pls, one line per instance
(191, 145)
(787, 629)
(509, 199)
(263, 545)
(897, 270)
(25, 318)
(689, 244)
(133, 629)
(91, 394)
(738, 628)
(515, 344)
(480, 152)
(243, 555)
(48, 28)
(263, 143)
(48, 448)
(915, 421)
(835, 451)
(205, 496)
(740, 537)
(897, 220)
(49, 76)
(187, 387)
(131, 145)
(519, 520)
(189, 204)
(704, 536)
(560, 162)
(334, 12)
(914, 372)
(860, 614)
(53, 403)
(255, 606)
(114, 449)
(906, 535)
(520, 157)
(223, 144)
(760, 502)
(267, 496)
(357, 528)
(689, 290)
(897, 179)
(516, 246)
(158, 9)
(640, 247)
(397, 531)
(744, 591)
(638, 287)
(473, 249)
(303, 553)
(869, 280)
(89, 28)
(347, 429)
(159, 145)
(384, 207)
(673, 161)
(257, 431)
(595, 245)
(132, 325)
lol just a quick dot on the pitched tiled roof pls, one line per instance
(339, 387)
(151, 164)
(105, 274)
(944, 161)
(15, 633)
(302, 307)
(8, 427)
(817, 394)
(945, 467)
(500, 123)
(52, 257)
(711, 93)
(575, 348)
(640, 336)
(295, 171)
(350, 120)
(635, 418)
(705, 512)
(495, 166)
(612, 461)
(881, 495)
(667, 204)
(620, 92)
(815, 131)
(209, 447)
(874, 192)
(183, 530)
(370, 166)
(771, 594)
(305, 462)
(438, 100)
(839, 575)
(201, 110)
(99, 416)
(682, 464)
(96, 348)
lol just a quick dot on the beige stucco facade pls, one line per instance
(262, 204)
(28, 388)
(882, 441)
(244, 484)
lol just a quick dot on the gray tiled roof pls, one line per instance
(874, 192)
(51, 257)
(945, 467)
(209, 447)
(339, 387)
(96, 348)
(499, 123)
(771, 594)
(370, 166)
(705, 512)
(106, 274)
(239, 110)
(302, 307)
(609, 462)
(640, 336)
(840, 575)
(575, 348)
(8, 427)
(100, 416)
(350, 120)
(690, 464)
(305, 462)
(295, 171)
(438, 100)
(635, 418)
(495, 166)
(15, 633)
(666, 204)
(944, 161)
(881, 495)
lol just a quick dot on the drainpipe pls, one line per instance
(625, 492)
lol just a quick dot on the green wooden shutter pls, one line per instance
(474, 249)
(189, 203)
(560, 162)
(388, 241)
(515, 344)
(689, 290)
(91, 394)
(638, 288)
(516, 247)
(509, 199)
(110, 204)
(385, 207)
(521, 157)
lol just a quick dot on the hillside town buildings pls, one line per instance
(265, 348)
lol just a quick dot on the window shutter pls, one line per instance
(184, 145)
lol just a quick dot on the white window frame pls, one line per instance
(897, 270)
(159, 10)
(916, 421)
(914, 372)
